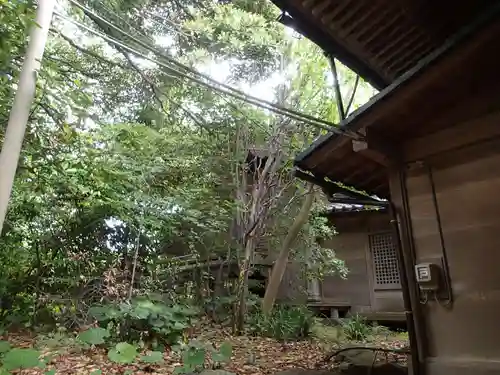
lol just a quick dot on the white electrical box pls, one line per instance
(427, 275)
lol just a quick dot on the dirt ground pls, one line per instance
(250, 356)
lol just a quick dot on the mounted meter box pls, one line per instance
(428, 276)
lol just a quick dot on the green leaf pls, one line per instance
(153, 357)
(178, 326)
(224, 353)
(94, 336)
(140, 313)
(96, 372)
(4, 346)
(182, 370)
(194, 357)
(100, 313)
(226, 349)
(21, 358)
(50, 372)
(123, 353)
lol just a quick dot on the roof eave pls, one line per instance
(353, 121)
(296, 20)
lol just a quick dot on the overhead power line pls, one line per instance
(197, 77)
(178, 64)
(243, 97)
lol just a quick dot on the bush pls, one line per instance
(145, 320)
(17, 310)
(356, 328)
(284, 323)
(221, 308)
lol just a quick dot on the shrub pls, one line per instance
(284, 323)
(144, 320)
(221, 308)
(17, 310)
(356, 328)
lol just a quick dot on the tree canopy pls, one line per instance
(127, 164)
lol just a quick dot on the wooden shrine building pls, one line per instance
(366, 244)
(429, 142)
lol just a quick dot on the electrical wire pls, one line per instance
(176, 28)
(247, 98)
(92, 14)
(223, 88)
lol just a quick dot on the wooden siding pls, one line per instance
(355, 290)
(462, 339)
(467, 196)
(352, 245)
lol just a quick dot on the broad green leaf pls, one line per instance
(94, 336)
(4, 346)
(226, 349)
(153, 357)
(178, 326)
(96, 372)
(21, 359)
(224, 353)
(123, 353)
(183, 370)
(194, 357)
(50, 372)
(140, 312)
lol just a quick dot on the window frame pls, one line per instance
(391, 266)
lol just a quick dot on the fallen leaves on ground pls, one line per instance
(251, 356)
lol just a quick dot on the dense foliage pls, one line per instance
(126, 165)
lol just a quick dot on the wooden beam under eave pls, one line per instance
(376, 147)
(378, 176)
(357, 172)
(362, 148)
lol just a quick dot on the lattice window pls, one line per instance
(385, 262)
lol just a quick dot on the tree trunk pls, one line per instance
(134, 266)
(281, 263)
(243, 287)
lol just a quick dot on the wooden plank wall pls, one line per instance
(355, 290)
(351, 245)
(464, 339)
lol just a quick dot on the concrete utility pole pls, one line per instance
(23, 100)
